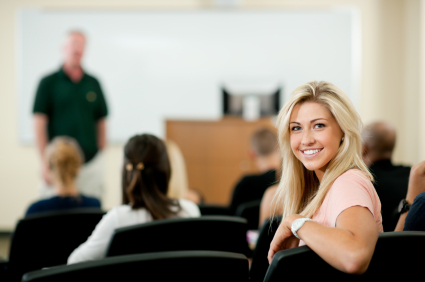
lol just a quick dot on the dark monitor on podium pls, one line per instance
(251, 104)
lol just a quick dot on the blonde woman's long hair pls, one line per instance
(300, 191)
(178, 186)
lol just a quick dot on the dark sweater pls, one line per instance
(415, 219)
(62, 203)
(391, 183)
(251, 188)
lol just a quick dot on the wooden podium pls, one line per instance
(216, 153)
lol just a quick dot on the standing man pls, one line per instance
(70, 102)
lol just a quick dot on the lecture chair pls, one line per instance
(212, 233)
(251, 212)
(164, 266)
(48, 239)
(260, 264)
(398, 255)
(214, 210)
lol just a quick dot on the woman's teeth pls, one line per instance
(311, 152)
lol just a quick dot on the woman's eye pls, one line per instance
(296, 128)
(319, 125)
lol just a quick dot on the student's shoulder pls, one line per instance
(190, 207)
(91, 201)
(354, 175)
(249, 180)
(39, 206)
(353, 178)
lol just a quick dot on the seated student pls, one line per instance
(178, 188)
(390, 180)
(412, 209)
(268, 207)
(65, 159)
(328, 200)
(264, 151)
(145, 177)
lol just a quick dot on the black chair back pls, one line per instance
(260, 264)
(251, 212)
(48, 239)
(165, 266)
(397, 254)
(214, 210)
(212, 233)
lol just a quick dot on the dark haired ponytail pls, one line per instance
(145, 177)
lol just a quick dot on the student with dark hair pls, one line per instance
(264, 151)
(64, 158)
(145, 176)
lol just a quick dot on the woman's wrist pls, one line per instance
(298, 224)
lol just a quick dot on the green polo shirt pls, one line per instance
(73, 109)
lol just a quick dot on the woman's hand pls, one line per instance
(284, 239)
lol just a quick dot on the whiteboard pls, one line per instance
(160, 64)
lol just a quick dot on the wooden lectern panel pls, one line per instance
(216, 153)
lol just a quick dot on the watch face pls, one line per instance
(296, 225)
(400, 206)
(404, 206)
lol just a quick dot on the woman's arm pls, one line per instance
(95, 246)
(348, 247)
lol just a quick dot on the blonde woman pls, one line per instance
(64, 157)
(178, 188)
(329, 202)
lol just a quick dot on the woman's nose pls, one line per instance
(308, 138)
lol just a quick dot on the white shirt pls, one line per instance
(95, 246)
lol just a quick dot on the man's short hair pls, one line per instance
(264, 142)
(379, 137)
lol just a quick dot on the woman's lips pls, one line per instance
(311, 153)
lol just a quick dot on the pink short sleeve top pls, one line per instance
(352, 188)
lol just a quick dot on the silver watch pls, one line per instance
(297, 224)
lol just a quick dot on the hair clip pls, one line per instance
(140, 166)
(129, 167)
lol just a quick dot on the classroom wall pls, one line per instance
(391, 65)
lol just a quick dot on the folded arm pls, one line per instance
(348, 247)
(416, 186)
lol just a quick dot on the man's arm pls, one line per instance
(101, 133)
(416, 186)
(41, 140)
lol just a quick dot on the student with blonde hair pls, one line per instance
(178, 188)
(326, 192)
(64, 158)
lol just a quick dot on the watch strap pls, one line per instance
(404, 206)
(297, 224)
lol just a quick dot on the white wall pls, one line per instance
(172, 63)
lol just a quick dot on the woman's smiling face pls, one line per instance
(315, 136)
